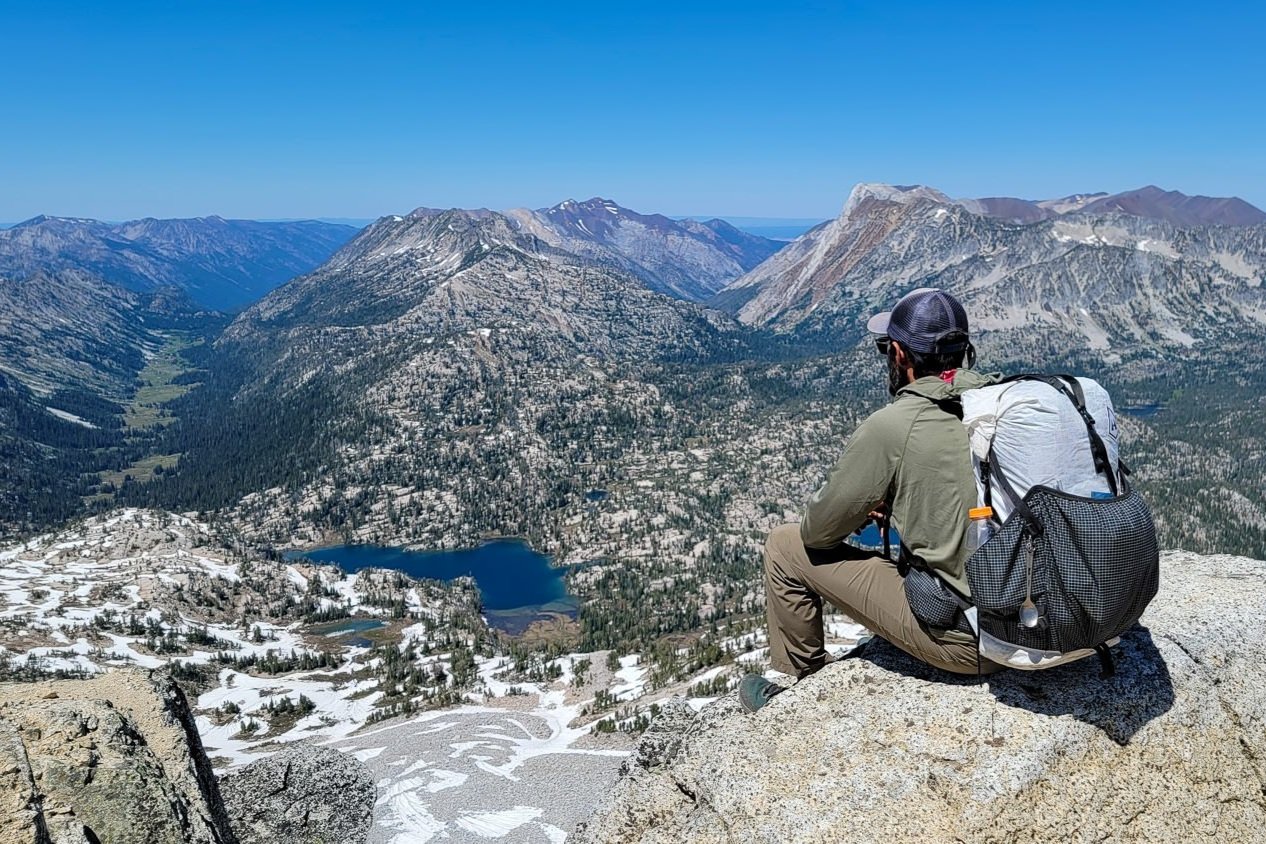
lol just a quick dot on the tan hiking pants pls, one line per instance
(866, 587)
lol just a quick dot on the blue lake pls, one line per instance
(517, 585)
(1143, 411)
(870, 537)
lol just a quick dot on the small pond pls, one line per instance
(348, 630)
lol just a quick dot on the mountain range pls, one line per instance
(436, 273)
(220, 264)
(687, 259)
(640, 398)
(451, 373)
(1090, 276)
(1150, 202)
(449, 355)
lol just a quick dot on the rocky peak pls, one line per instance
(884, 748)
(598, 217)
(429, 237)
(1178, 208)
(902, 194)
(798, 280)
(462, 271)
(49, 220)
(1104, 278)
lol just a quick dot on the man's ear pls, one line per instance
(899, 355)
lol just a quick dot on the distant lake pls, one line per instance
(872, 538)
(517, 584)
(1143, 411)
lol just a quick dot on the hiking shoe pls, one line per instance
(755, 691)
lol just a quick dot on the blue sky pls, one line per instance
(120, 110)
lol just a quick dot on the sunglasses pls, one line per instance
(884, 342)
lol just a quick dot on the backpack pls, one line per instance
(1073, 560)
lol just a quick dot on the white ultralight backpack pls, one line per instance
(1042, 441)
(1072, 560)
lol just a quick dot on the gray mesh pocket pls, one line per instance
(930, 599)
(1095, 569)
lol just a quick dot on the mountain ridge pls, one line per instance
(1151, 282)
(687, 259)
(1149, 202)
(221, 264)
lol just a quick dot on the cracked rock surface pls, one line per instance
(111, 760)
(1173, 748)
(303, 794)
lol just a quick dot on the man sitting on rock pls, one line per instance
(910, 460)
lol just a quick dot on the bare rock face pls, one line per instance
(1171, 749)
(304, 794)
(111, 760)
(1119, 271)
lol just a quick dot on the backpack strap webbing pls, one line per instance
(1107, 668)
(1017, 502)
(952, 406)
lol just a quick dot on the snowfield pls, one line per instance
(517, 758)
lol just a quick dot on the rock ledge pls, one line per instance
(884, 749)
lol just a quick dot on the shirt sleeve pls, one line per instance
(856, 485)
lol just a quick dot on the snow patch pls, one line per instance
(498, 824)
(70, 417)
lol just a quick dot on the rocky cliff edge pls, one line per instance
(1173, 748)
(115, 758)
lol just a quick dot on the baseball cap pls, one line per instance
(926, 320)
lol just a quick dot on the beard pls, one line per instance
(896, 377)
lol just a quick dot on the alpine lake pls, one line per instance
(517, 584)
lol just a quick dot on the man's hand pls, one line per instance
(878, 516)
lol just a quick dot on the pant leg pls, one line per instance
(868, 588)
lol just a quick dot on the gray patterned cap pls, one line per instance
(926, 320)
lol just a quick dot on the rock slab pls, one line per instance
(884, 749)
(115, 759)
(303, 794)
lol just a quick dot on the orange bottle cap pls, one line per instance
(980, 513)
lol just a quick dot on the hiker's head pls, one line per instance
(926, 333)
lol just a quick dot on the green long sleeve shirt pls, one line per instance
(914, 455)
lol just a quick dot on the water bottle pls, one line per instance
(979, 527)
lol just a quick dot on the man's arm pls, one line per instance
(855, 487)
